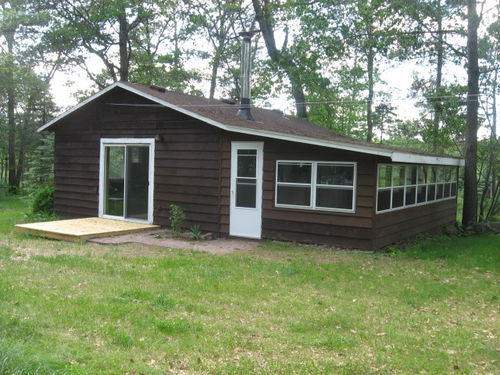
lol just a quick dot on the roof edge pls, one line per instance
(403, 157)
(395, 156)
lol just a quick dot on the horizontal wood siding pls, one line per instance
(351, 230)
(193, 169)
(394, 226)
(186, 161)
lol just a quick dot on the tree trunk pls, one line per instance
(369, 103)
(494, 122)
(470, 180)
(123, 45)
(282, 60)
(22, 139)
(215, 69)
(11, 120)
(439, 74)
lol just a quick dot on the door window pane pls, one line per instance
(137, 182)
(115, 184)
(246, 190)
(334, 198)
(247, 163)
(294, 195)
(335, 175)
(294, 172)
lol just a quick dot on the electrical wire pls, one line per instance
(471, 98)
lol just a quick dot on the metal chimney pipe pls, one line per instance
(245, 68)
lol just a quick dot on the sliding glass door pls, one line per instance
(125, 185)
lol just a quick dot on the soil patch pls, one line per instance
(161, 239)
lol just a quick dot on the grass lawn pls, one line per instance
(281, 309)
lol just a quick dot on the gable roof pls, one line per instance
(268, 123)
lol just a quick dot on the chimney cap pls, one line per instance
(248, 34)
(158, 88)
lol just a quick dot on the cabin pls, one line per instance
(130, 151)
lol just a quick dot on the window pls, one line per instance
(294, 184)
(316, 185)
(402, 186)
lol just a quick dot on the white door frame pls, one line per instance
(243, 213)
(150, 142)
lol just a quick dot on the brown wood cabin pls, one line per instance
(130, 151)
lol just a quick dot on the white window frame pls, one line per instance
(314, 185)
(453, 179)
(150, 142)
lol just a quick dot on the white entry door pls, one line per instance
(245, 215)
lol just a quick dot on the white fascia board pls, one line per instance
(403, 157)
(395, 156)
(78, 106)
(311, 141)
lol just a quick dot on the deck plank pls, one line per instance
(83, 229)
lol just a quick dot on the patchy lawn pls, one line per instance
(280, 309)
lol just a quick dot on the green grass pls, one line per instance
(12, 209)
(281, 309)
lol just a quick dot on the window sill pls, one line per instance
(313, 209)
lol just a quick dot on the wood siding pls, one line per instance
(394, 226)
(351, 230)
(192, 169)
(187, 161)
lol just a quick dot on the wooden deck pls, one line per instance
(83, 229)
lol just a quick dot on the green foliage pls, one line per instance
(43, 201)
(40, 170)
(177, 217)
(195, 232)
(451, 102)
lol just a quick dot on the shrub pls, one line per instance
(43, 202)
(177, 218)
(195, 232)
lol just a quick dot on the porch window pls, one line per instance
(401, 186)
(316, 185)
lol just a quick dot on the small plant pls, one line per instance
(195, 232)
(177, 218)
(43, 201)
